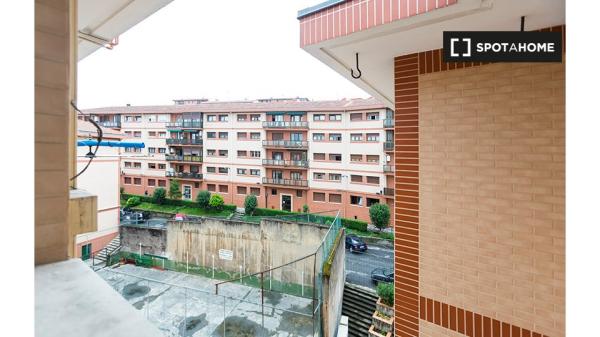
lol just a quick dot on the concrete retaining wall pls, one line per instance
(153, 240)
(333, 290)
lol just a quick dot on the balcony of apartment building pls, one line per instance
(388, 145)
(298, 183)
(285, 144)
(184, 175)
(388, 169)
(113, 122)
(185, 124)
(388, 192)
(302, 164)
(286, 120)
(184, 141)
(186, 158)
(388, 123)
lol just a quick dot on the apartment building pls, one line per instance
(288, 152)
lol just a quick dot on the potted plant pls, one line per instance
(383, 317)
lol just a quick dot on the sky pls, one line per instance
(220, 50)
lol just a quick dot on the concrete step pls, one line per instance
(358, 304)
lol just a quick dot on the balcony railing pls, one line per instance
(388, 168)
(388, 123)
(285, 163)
(388, 146)
(388, 191)
(184, 125)
(186, 158)
(285, 182)
(110, 124)
(285, 125)
(183, 141)
(289, 144)
(183, 175)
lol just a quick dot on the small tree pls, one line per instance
(380, 215)
(385, 291)
(159, 196)
(216, 202)
(250, 204)
(174, 191)
(305, 208)
(133, 201)
(203, 199)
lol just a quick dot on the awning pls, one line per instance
(91, 142)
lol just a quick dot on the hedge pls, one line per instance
(171, 202)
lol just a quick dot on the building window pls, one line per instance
(138, 118)
(137, 181)
(151, 150)
(255, 135)
(151, 182)
(241, 171)
(373, 116)
(162, 166)
(356, 137)
(223, 118)
(274, 191)
(223, 170)
(318, 117)
(335, 137)
(335, 157)
(241, 190)
(299, 193)
(372, 201)
(356, 178)
(356, 200)
(196, 185)
(162, 150)
(211, 135)
(242, 153)
(255, 191)
(151, 133)
(319, 156)
(335, 176)
(127, 180)
(336, 198)
(137, 134)
(211, 187)
(242, 135)
(371, 158)
(318, 176)
(152, 166)
(318, 196)
(335, 117)
(356, 157)
(127, 164)
(211, 152)
(241, 118)
(223, 153)
(255, 154)
(223, 135)
(318, 137)
(137, 165)
(162, 183)
(255, 118)
(356, 117)
(163, 118)
(372, 137)
(211, 118)
(162, 134)
(254, 172)
(211, 169)
(372, 180)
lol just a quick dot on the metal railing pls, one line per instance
(184, 124)
(183, 141)
(290, 144)
(285, 163)
(388, 123)
(285, 182)
(388, 168)
(388, 145)
(285, 125)
(388, 191)
(110, 124)
(183, 175)
(185, 158)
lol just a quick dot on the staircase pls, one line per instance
(238, 214)
(358, 304)
(99, 259)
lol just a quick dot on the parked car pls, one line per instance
(382, 275)
(355, 244)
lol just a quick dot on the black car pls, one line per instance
(355, 244)
(382, 275)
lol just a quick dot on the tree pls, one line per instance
(216, 202)
(305, 208)
(159, 195)
(250, 204)
(203, 199)
(133, 201)
(174, 191)
(380, 215)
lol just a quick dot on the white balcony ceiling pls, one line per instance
(108, 19)
(378, 46)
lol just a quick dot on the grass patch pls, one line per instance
(171, 209)
(369, 234)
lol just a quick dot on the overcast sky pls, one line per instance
(225, 50)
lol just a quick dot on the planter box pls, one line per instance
(382, 324)
(373, 333)
(385, 309)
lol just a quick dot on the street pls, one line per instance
(360, 265)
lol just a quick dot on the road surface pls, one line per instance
(360, 265)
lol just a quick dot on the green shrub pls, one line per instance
(380, 215)
(305, 208)
(133, 201)
(216, 202)
(270, 212)
(354, 224)
(385, 291)
(159, 196)
(250, 204)
(174, 190)
(203, 199)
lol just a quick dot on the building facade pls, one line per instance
(329, 155)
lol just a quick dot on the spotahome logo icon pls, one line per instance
(502, 47)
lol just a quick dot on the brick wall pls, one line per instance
(491, 190)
